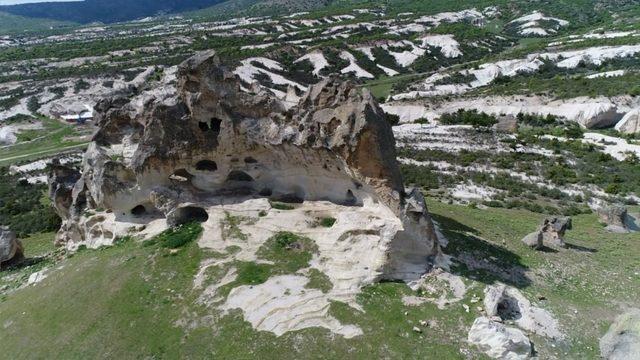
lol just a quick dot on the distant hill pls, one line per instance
(258, 7)
(106, 11)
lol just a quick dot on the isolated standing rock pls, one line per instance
(499, 341)
(550, 233)
(615, 217)
(204, 136)
(622, 341)
(10, 247)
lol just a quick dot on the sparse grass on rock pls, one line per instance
(177, 237)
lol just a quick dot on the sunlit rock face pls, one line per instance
(201, 138)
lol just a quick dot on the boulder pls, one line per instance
(630, 122)
(534, 240)
(508, 303)
(622, 341)
(202, 138)
(550, 233)
(499, 341)
(615, 216)
(11, 249)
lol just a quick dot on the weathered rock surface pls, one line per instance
(615, 216)
(509, 304)
(11, 249)
(499, 341)
(622, 341)
(200, 139)
(630, 122)
(550, 233)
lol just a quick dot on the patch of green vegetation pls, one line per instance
(250, 273)
(24, 207)
(178, 236)
(327, 222)
(318, 280)
(38, 244)
(289, 252)
(231, 228)
(55, 137)
(281, 206)
(468, 117)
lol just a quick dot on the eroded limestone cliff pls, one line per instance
(200, 139)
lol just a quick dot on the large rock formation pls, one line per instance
(622, 340)
(200, 138)
(615, 216)
(11, 249)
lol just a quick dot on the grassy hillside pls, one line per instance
(138, 301)
(10, 23)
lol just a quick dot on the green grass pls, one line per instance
(38, 244)
(281, 206)
(318, 280)
(138, 296)
(177, 237)
(55, 137)
(327, 222)
(289, 252)
(382, 87)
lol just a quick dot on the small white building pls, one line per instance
(79, 116)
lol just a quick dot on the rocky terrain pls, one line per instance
(253, 179)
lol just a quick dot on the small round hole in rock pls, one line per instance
(250, 160)
(206, 165)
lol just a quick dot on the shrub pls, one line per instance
(468, 117)
(178, 236)
(281, 206)
(327, 222)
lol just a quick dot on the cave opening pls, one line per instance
(215, 125)
(188, 214)
(206, 165)
(238, 175)
(139, 210)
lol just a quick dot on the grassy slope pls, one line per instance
(10, 23)
(126, 301)
(55, 137)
